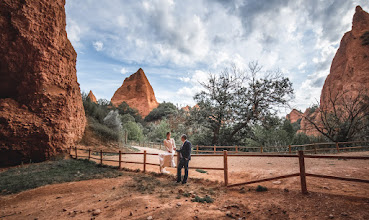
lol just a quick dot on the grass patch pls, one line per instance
(19, 179)
(206, 199)
(146, 184)
(261, 188)
(201, 171)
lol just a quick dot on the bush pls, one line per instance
(112, 120)
(157, 133)
(206, 199)
(103, 131)
(164, 110)
(134, 130)
(261, 188)
(201, 171)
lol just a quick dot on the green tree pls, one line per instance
(234, 100)
(135, 131)
(164, 110)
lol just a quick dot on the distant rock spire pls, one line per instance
(137, 92)
(92, 97)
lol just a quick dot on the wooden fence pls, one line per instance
(290, 149)
(300, 156)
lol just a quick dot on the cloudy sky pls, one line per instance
(178, 42)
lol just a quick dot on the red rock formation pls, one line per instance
(350, 67)
(137, 92)
(349, 71)
(294, 116)
(92, 97)
(305, 126)
(41, 111)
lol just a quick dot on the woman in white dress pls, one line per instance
(167, 158)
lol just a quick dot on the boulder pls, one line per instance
(41, 111)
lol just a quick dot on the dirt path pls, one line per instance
(242, 169)
(138, 196)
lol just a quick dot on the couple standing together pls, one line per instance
(167, 159)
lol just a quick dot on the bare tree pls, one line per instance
(343, 117)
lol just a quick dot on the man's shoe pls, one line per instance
(184, 182)
(178, 182)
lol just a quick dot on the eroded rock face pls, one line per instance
(294, 116)
(41, 111)
(305, 126)
(349, 71)
(137, 92)
(92, 97)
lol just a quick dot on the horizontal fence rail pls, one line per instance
(99, 156)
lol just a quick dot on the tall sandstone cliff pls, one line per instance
(41, 111)
(350, 66)
(137, 92)
(349, 71)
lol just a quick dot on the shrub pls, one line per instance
(103, 131)
(206, 199)
(134, 130)
(164, 110)
(201, 171)
(261, 188)
(112, 120)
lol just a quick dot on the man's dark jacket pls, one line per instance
(185, 150)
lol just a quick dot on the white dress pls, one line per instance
(167, 158)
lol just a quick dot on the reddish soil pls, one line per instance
(120, 198)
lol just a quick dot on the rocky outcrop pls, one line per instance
(294, 116)
(92, 97)
(305, 126)
(41, 111)
(349, 71)
(137, 92)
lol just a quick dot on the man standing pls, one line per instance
(185, 157)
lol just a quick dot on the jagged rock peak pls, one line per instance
(137, 92)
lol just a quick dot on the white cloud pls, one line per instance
(123, 71)
(98, 45)
(197, 37)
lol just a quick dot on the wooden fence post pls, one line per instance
(289, 149)
(144, 161)
(215, 149)
(75, 149)
(197, 149)
(302, 172)
(120, 159)
(261, 149)
(337, 147)
(101, 156)
(89, 153)
(236, 149)
(315, 150)
(225, 166)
